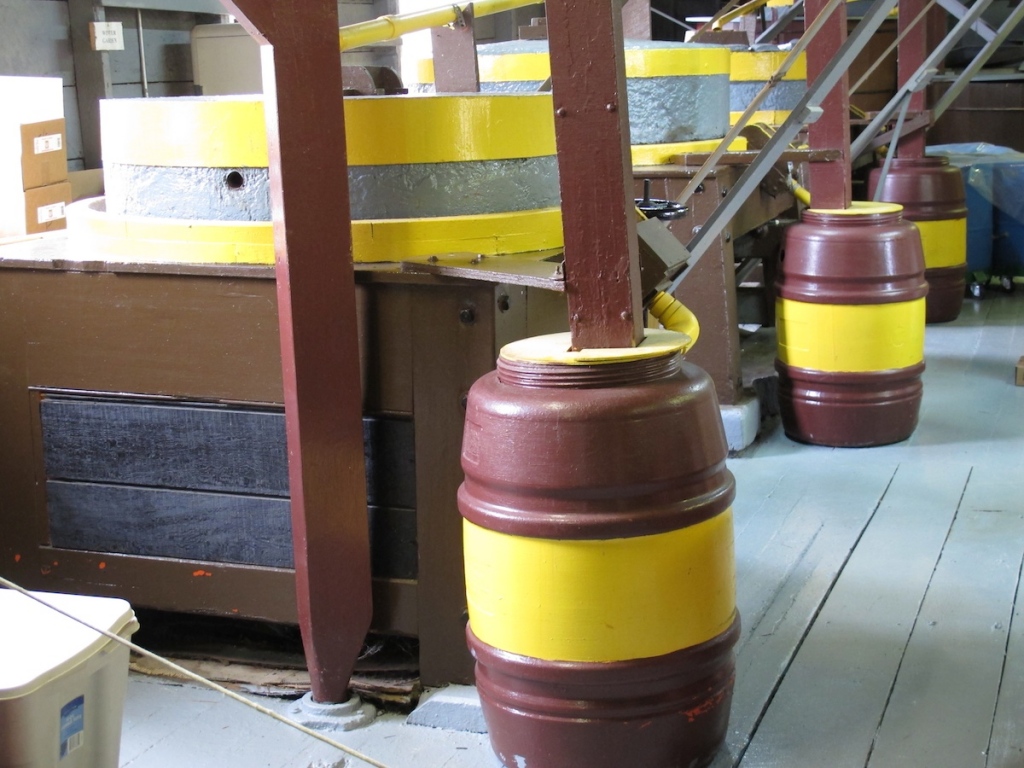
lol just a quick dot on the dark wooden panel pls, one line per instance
(189, 447)
(225, 589)
(393, 543)
(209, 527)
(214, 527)
(204, 447)
(390, 462)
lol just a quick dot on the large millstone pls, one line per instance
(186, 172)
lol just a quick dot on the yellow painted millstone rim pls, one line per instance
(662, 154)
(186, 241)
(535, 66)
(755, 66)
(556, 349)
(380, 130)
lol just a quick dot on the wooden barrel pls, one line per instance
(188, 178)
(599, 556)
(850, 317)
(932, 194)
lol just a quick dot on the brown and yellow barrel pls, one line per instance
(933, 196)
(850, 317)
(599, 555)
(750, 70)
(187, 178)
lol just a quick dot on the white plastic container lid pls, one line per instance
(38, 645)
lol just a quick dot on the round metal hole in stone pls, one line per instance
(234, 180)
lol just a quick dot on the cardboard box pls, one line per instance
(44, 156)
(42, 209)
(1020, 373)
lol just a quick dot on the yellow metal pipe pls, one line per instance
(743, 10)
(395, 25)
(674, 316)
(799, 192)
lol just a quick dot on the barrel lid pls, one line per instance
(860, 208)
(39, 645)
(556, 349)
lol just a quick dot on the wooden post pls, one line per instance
(911, 53)
(831, 184)
(455, 64)
(602, 268)
(302, 87)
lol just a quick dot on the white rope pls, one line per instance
(200, 679)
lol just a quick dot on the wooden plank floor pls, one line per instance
(879, 590)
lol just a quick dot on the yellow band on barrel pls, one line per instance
(845, 338)
(185, 241)
(752, 66)
(601, 601)
(944, 242)
(231, 133)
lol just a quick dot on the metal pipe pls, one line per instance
(958, 9)
(979, 61)
(672, 18)
(807, 110)
(395, 25)
(748, 113)
(892, 46)
(880, 189)
(674, 316)
(743, 10)
(142, 54)
(780, 23)
(917, 80)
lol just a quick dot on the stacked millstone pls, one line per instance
(677, 93)
(187, 179)
(750, 70)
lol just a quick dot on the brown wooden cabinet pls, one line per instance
(175, 361)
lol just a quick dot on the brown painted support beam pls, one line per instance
(302, 88)
(455, 65)
(636, 19)
(588, 78)
(911, 53)
(830, 183)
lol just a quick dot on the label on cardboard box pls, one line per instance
(47, 213)
(45, 209)
(44, 159)
(54, 142)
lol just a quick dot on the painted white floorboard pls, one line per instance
(832, 699)
(944, 699)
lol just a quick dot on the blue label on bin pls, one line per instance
(72, 726)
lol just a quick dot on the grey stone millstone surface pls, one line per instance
(784, 96)
(426, 190)
(662, 110)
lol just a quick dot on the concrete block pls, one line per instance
(741, 421)
(455, 708)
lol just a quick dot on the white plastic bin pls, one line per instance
(62, 686)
